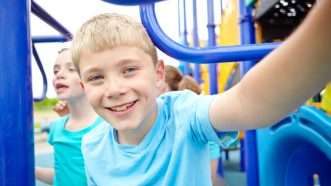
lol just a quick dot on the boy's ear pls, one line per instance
(160, 72)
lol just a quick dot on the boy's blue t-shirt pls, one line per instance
(68, 160)
(174, 151)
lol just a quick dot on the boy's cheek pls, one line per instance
(90, 95)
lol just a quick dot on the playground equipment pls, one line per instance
(296, 148)
(16, 122)
(16, 119)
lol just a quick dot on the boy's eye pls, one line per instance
(129, 71)
(94, 78)
(55, 71)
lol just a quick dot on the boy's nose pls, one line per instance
(114, 88)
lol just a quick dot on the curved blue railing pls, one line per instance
(204, 55)
(43, 15)
(43, 74)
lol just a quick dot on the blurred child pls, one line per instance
(67, 131)
(189, 83)
(172, 77)
(163, 140)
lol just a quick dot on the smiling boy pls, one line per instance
(163, 141)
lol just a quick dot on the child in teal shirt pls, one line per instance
(66, 132)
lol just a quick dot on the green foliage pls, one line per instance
(46, 104)
(37, 125)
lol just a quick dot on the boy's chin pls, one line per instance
(126, 128)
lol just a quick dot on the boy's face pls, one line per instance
(66, 80)
(122, 85)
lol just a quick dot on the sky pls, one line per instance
(72, 13)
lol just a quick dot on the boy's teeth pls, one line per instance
(122, 107)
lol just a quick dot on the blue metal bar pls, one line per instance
(197, 75)
(43, 15)
(179, 18)
(221, 7)
(242, 155)
(131, 2)
(49, 39)
(16, 118)
(231, 79)
(212, 68)
(204, 55)
(43, 74)
(183, 36)
(247, 36)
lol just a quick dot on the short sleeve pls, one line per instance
(202, 126)
(54, 126)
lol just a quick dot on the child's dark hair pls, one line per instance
(172, 77)
(176, 81)
(189, 83)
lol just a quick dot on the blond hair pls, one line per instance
(107, 31)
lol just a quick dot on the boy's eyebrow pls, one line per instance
(125, 62)
(119, 63)
(90, 70)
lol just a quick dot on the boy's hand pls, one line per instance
(61, 108)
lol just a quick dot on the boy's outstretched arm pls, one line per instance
(283, 80)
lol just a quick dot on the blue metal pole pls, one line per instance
(247, 36)
(186, 69)
(179, 18)
(16, 118)
(48, 39)
(212, 68)
(195, 34)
